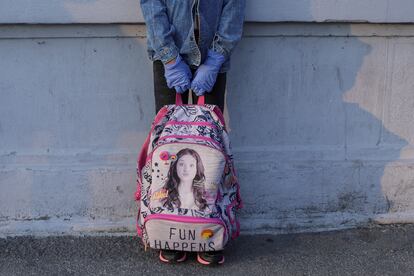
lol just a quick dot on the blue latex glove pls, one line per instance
(206, 74)
(178, 75)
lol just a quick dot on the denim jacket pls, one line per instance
(170, 29)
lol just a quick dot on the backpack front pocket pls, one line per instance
(172, 232)
(207, 132)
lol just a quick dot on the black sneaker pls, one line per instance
(210, 258)
(172, 256)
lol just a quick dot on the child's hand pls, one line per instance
(178, 75)
(206, 74)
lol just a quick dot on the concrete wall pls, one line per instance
(320, 117)
(128, 11)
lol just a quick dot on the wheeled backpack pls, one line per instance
(187, 190)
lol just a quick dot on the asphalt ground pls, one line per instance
(377, 250)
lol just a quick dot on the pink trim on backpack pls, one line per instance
(138, 192)
(219, 114)
(159, 116)
(178, 218)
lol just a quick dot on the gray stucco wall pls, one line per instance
(320, 117)
(128, 11)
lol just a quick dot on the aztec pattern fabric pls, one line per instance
(187, 190)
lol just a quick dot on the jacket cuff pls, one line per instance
(217, 46)
(166, 53)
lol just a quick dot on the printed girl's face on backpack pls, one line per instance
(186, 167)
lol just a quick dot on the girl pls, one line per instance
(185, 182)
(190, 43)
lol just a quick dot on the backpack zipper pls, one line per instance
(167, 143)
(192, 137)
(191, 123)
